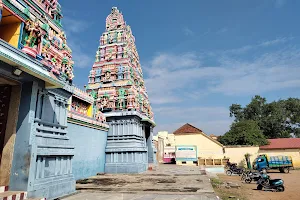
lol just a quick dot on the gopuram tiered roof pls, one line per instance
(116, 77)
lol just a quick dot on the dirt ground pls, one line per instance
(249, 192)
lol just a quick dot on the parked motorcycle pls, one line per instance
(229, 165)
(270, 184)
(234, 170)
(252, 176)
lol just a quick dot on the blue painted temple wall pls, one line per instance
(90, 143)
(42, 157)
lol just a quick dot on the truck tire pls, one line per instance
(286, 170)
(281, 170)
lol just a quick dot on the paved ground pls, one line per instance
(165, 182)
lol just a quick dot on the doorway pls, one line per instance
(5, 92)
(10, 93)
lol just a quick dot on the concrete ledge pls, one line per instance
(124, 168)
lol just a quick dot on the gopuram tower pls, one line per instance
(116, 81)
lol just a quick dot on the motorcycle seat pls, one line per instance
(275, 181)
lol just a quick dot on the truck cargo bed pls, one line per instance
(280, 161)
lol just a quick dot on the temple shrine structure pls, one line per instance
(116, 80)
(45, 121)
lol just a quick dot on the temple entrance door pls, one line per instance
(5, 92)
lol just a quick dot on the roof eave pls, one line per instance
(17, 58)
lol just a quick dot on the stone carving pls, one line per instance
(107, 75)
(33, 39)
(121, 98)
(49, 45)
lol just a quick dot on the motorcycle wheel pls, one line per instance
(243, 177)
(248, 180)
(280, 188)
(229, 172)
(259, 187)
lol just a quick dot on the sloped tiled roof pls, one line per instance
(187, 128)
(282, 143)
(190, 129)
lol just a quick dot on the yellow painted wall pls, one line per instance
(294, 153)
(70, 103)
(205, 147)
(90, 111)
(11, 33)
(236, 154)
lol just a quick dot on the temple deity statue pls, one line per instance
(119, 36)
(97, 56)
(105, 39)
(34, 37)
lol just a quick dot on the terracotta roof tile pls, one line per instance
(283, 143)
(187, 128)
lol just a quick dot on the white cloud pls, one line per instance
(266, 43)
(276, 41)
(176, 77)
(81, 59)
(162, 79)
(72, 25)
(211, 120)
(188, 32)
(279, 3)
(222, 30)
(269, 72)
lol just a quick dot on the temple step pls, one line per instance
(15, 195)
(3, 189)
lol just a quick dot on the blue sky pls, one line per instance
(198, 57)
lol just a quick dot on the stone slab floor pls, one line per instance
(165, 182)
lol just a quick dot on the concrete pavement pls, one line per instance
(165, 182)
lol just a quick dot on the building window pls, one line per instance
(183, 162)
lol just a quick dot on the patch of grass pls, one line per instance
(215, 182)
(224, 193)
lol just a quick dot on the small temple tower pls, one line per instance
(116, 79)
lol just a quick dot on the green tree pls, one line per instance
(278, 119)
(245, 132)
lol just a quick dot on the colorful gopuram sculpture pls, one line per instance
(117, 73)
(117, 80)
(45, 40)
(48, 127)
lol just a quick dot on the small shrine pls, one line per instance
(116, 79)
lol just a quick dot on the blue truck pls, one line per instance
(264, 162)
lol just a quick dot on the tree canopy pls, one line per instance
(278, 119)
(244, 132)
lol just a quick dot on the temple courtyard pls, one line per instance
(168, 182)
